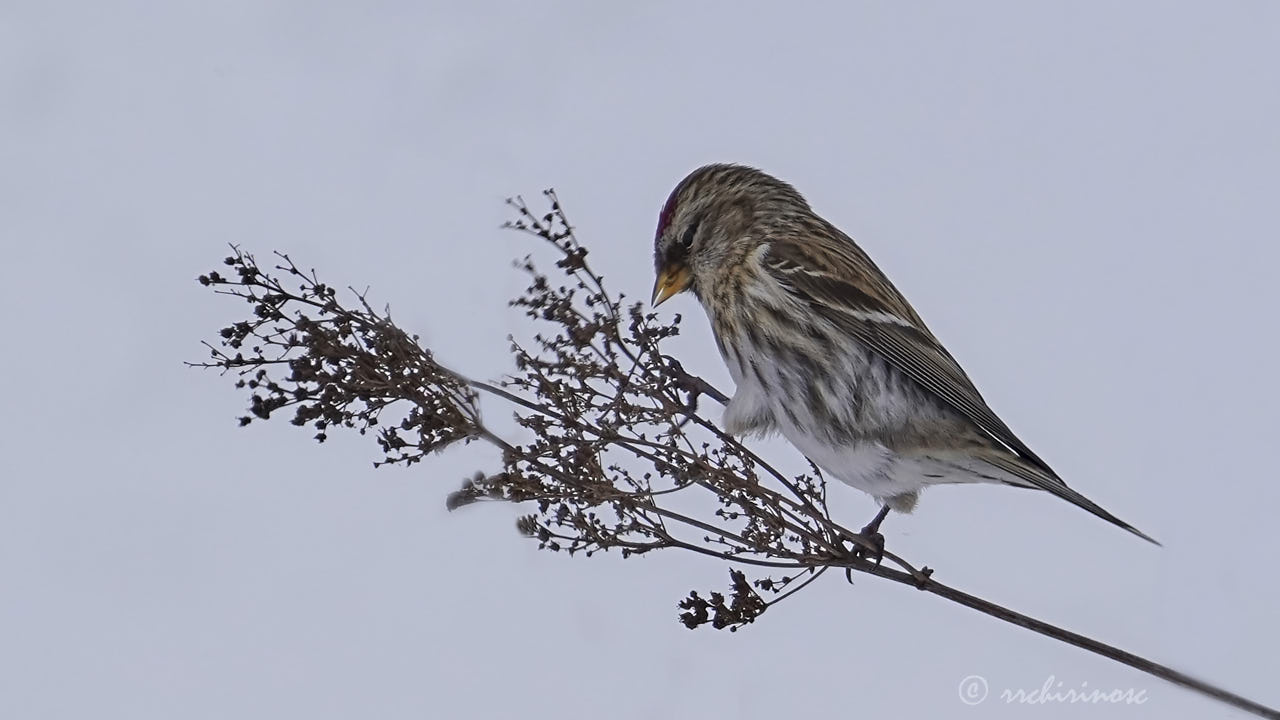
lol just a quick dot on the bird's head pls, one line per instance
(713, 218)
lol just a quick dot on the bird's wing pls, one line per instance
(881, 319)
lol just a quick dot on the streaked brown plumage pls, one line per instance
(824, 349)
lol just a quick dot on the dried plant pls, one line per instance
(620, 457)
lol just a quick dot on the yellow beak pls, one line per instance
(671, 281)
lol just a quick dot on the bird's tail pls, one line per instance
(1035, 478)
(1075, 498)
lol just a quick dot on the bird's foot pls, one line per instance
(695, 387)
(868, 546)
(874, 545)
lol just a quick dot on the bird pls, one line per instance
(824, 350)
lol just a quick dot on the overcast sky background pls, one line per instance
(1080, 198)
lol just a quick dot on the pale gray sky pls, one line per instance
(1079, 197)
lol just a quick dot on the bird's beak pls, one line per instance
(672, 280)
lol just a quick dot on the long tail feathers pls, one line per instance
(1036, 479)
(1076, 498)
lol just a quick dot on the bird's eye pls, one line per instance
(687, 239)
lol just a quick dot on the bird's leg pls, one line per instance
(695, 386)
(871, 534)
(873, 527)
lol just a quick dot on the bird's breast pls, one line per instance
(816, 380)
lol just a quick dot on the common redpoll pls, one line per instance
(826, 351)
